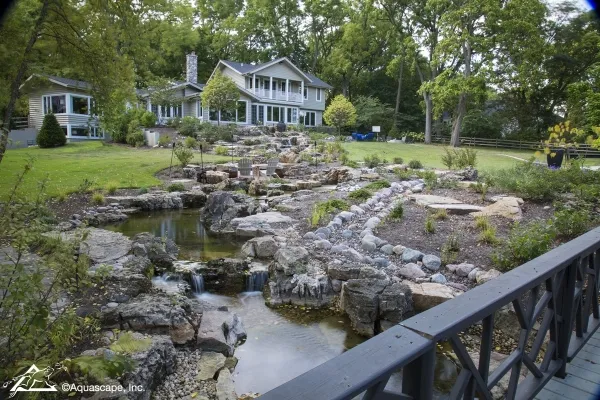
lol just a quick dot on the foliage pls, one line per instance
(51, 134)
(346, 161)
(361, 194)
(415, 164)
(413, 137)
(190, 143)
(482, 223)
(189, 126)
(398, 160)
(488, 236)
(176, 187)
(135, 137)
(563, 136)
(98, 199)
(440, 214)
(373, 161)
(220, 93)
(459, 158)
(38, 330)
(370, 111)
(430, 178)
(111, 188)
(379, 184)
(570, 223)
(143, 190)
(213, 133)
(429, 224)
(324, 208)
(98, 368)
(164, 141)
(148, 119)
(221, 151)
(127, 344)
(340, 113)
(184, 155)
(524, 243)
(450, 249)
(397, 211)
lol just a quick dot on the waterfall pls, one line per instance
(197, 283)
(255, 281)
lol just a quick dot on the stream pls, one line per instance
(282, 343)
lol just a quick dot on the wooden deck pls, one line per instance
(583, 379)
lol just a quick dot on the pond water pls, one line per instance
(282, 343)
(184, 228)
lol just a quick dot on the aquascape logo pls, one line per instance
(34, 380)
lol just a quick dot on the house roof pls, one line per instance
(246, 68)
(176, 84)
(66, 82)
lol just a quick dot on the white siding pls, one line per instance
(282, 71)
(237, 78)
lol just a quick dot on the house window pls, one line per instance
(178, 111)
(294, 116)
(79, 105)
(305, 93)
(253, 114)
(269, 113)
(213, 115)
(55, 104)
(154, 109)
(241, 111)
(289, 115)
(275, 114)
(261, 114)
(228, 115)
(198, 108)
(318, 94)
(309, 118)
(282, 86)
(79, 131)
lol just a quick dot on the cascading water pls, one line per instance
(197, 283)
(255, 281)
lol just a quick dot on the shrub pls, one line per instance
(429, 225)
(360, 194)
(415, 164)
(398, 160)
(190, 143)
(488, 236)
(62, 196)
(450, 250)
(135, 137)
(98, 199)
(176, 187)
(221, 151)
(346, 161)
(440, 214)
(398, 211)
(465, 158)
(414, 137)
(143, 190)
(569, 223)
(448, 158)
(430, 178)
(164, 141)
(340, 113)
(372, 161)
(51, 134)
(482, 223)
(111, 188)
(184, 155)
(148, 119)
(379, 184)
(404, 174)
(524, 243)
(189, 127)
(325, 208)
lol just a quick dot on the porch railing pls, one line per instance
(278, 95)
(558, 290)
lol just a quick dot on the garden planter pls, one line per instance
(557, 160)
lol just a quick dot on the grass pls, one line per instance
(431, 155)
(325, 208)
(361, 194)
(67, 167)
(380, 184)
(398, 211)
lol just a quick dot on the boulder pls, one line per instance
(210, 363)
(289, 157)
(260, 247)
(339, 175)
(371, 273)
(484, 276)
(257, 188)
(438, 278)
(507, 207)
(157, 200)
(225, 275)
(290, 260)
(155, 314)
(194, 198)
(260, 224)
(225, 387)
(431, 262)
(100, 245)
(387, 249)
(428, 294)
(411, 256)
(161, 251)
(360, 301)
(311, 289)
(220, 331)
(322, 244)
(344, 271)
(307, 185)
(458, 209)
(213, 177)
(394, 302)
(411, 270)
(151, 366)
(463, 269)
(429, 199)
(223, 207)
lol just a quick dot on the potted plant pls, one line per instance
(561, 138)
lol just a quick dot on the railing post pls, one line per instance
(417, 377)
(565, 323)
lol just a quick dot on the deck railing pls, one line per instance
(558, 291)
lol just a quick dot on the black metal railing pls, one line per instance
(558, 291)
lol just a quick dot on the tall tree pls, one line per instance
(220, 94)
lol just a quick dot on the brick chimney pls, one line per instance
(191, 67)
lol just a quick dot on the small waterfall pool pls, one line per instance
(184, 228)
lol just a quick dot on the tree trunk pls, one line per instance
(14, 88)
(461, 110)
(428, 116)
(398, 92)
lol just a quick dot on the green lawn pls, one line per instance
(431, 155)
(68, 166)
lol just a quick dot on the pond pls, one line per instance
(184, 228)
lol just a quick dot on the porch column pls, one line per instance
(287, 90)
(254, 88)
(149, 105)
(182, 110)
(302, 91)
(271, 88)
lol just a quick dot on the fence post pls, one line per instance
(565, 329)
(417, 377)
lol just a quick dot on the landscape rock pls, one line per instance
(260, 224)
(100, 245)
(399, 249)
(438, 278)
(210, 363)
(161, 251)
(411, 270)
(223, 207)
(225, 386)
(344, 271)
(260, 247)
(411, 256)
(431, 262)
(290, 260)
(360, 301)
(426, 200)
(507, 207)
(220, 331)
(428, 294)
(457, 209)
(463, 269)
(484, 276)
(395, 301)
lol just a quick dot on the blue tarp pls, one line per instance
(363, 136)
